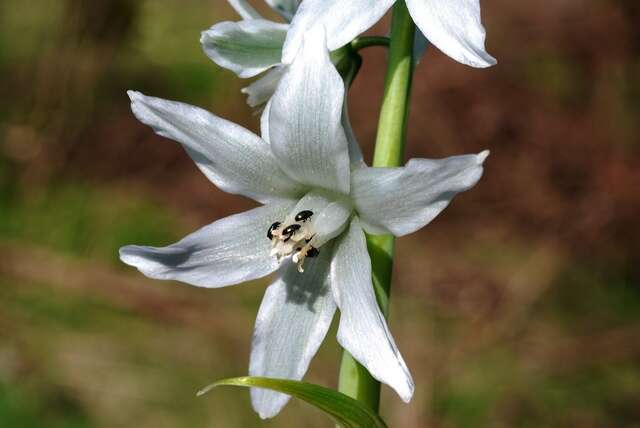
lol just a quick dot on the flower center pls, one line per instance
(317, 218)
(294, 237)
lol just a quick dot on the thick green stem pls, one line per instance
(355, 381)
(392, 125)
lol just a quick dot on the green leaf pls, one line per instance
(344, 410)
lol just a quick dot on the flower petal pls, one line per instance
(227, 252)
(315, 201)
(454, 27)
(294, 317)
(264, 123)
(355, 153)
(247, 47)
(262, 89)
(244, 9)
(286, 8)
(343, 21)
(331, 221)
(307, 137)
(234, 159)
(363, 330)
(330, 216)
(403, 200)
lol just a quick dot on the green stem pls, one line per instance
(367, 41)
(392, 125)
(354, 380)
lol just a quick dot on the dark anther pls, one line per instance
(303, 215)
(273, 227)
(291, 229)
(313, 252)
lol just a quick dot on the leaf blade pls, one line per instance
(344, 410)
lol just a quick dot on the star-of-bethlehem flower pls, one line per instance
(318, 198)
(255, 45)
(251, 46)
(453, 26)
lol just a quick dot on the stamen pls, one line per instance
(272, 229)
(293, 239)
(291, 229)
(303, 215)
(302, 253)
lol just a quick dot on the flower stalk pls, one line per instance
(355, 380)
(368, 41)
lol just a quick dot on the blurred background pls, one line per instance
(518, 307)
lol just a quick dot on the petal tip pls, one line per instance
(203, 37)
(134, 95)
(215, 31)
(482, 156)
(266, 407)
(264, 415)
(406, 388)
(480, 60)
(127, 255)
(487, 61)
(406, 398)
(407, 394)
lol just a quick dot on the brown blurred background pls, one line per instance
(518, 307)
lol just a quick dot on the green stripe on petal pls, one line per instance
(247, 47)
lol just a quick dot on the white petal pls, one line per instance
(454, 27)
(244, 9)
(234, 159)
(294, 317)
(261, 90)
(247, 47)
(286, 8)
(403, 200)
(363, 330)
(229, 251)
(314, 201)
(306, 134)
(355, 153)
(330, 215)
(264, 123)
(343, 21)
(331, 221)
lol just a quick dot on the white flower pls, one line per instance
(317, 202)
(251, 46)
(453, 26)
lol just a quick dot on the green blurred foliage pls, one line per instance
(18, 408)
(82, 221)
